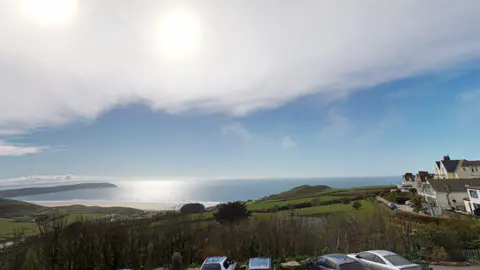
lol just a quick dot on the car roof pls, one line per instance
(382, 252)
(339, 258)
(259, 263)
(215, 259)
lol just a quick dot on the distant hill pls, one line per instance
(12, 208)
(9, 193)
(304, 191)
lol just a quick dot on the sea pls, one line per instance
(170, 194)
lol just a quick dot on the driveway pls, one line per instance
(401, 207)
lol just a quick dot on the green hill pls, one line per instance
(12, 208)
(305, 191)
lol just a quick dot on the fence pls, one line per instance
(473, 254)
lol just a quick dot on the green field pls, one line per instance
(265, 205)
(367, 207)
(9, 226)
(18, 215)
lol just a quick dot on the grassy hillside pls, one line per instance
(18, 216)
(13, 208)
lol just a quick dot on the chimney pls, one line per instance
(446, 158)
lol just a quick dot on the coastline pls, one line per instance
(150, 206)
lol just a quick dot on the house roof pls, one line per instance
(451, 165)
(438, 164)
(467, 163)
(454, 185)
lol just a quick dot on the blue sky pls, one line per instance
(385, 130)
(325, 101)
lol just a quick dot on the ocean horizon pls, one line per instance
(169, 194)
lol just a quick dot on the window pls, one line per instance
(366, 256)
(378, 260)
(473, 194)
(226, 263)
(397, 260)
(330, 264)
(323, 263)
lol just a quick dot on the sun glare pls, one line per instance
(179, 34)
(50, 12)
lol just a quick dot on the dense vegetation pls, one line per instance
(137, 244)
(296, 233)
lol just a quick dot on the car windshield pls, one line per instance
(397, 260)
(352, 266)
(211, 266)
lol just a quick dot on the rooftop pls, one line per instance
(453, 185)
(468, 163)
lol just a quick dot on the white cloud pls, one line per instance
(470, 96)
(340, 127)
(108, 54)
(288, 143)
(18, 150)
(238, 130)
(337, 126)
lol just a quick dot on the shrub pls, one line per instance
(232, 212)
(357, 205)
(192, 208)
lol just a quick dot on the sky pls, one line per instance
(236, 89)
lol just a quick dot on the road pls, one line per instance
(401, 207)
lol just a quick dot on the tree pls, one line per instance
(231, 212)
(357, 205)
(192, 208)
(413, 191)
(417, 204)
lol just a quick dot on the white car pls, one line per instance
(218, 263)
(384, 260)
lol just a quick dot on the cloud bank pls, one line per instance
(251, 55)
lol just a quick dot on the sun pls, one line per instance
(179, 34)
(49, 12)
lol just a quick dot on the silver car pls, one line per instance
(260, 264)
(384, 260)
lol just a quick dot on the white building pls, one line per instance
(472, 203)
(456, 168)
(447, 194)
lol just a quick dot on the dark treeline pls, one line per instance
(141, 244)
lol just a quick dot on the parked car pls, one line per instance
(218, 263)
(392, 206)
(409, 203)
(384, 260)
(260, 264)
(334, 261)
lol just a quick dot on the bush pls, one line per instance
(232, 212)
(357, 205)
(192, 208)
